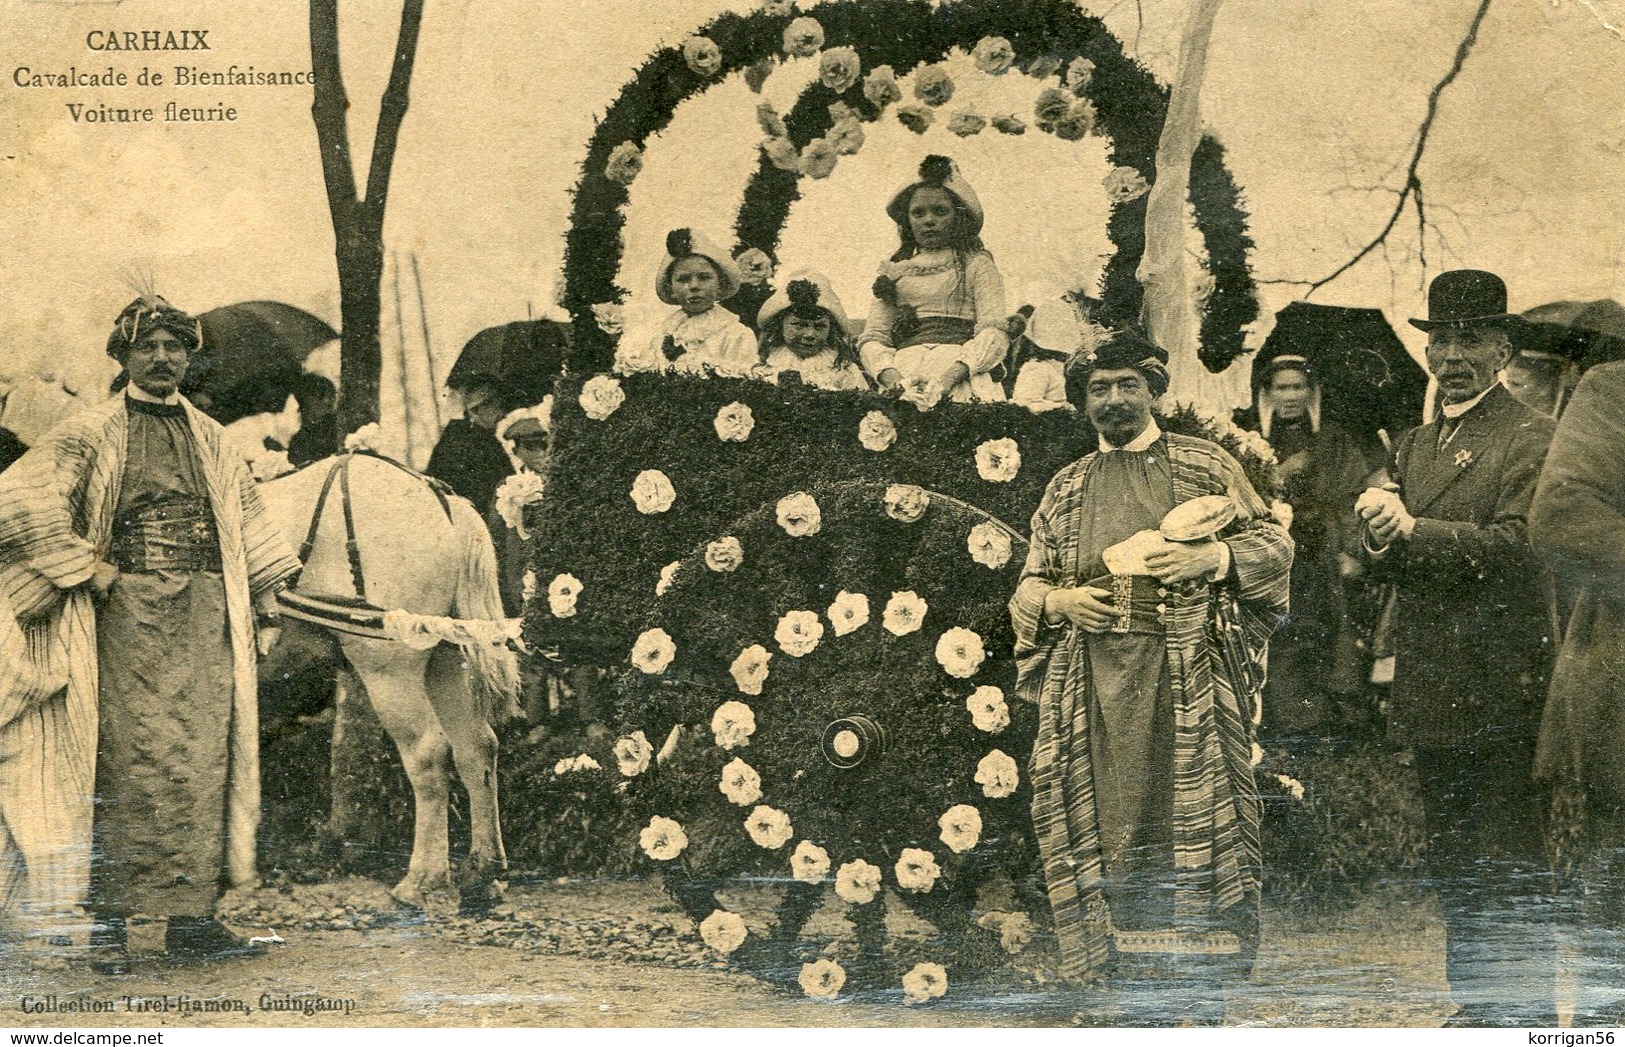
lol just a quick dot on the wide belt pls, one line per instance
(939, 330)
(176, 535)
(1141, 601)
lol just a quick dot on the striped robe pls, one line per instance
(1215, 815)
(56, 518)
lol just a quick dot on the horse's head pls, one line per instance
(30, 404)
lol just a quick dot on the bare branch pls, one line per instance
(392, 111)
(327, 110)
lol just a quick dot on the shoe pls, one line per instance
(109, 940)
(192, 940)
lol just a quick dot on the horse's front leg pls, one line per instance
(394, 678)
(474, 748)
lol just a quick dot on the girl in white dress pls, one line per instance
(804, 330)
(698, 336)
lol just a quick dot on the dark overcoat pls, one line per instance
(1577, 524)
(1472, 640)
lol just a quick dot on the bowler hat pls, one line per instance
(1465, 296)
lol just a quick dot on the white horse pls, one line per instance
(420, 554)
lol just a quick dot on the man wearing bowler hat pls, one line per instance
(1472, 648)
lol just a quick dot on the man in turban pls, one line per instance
(135, 551)
(1142, 654)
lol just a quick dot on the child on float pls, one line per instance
(804, 330)
(1056, 332)
(698, 335)
(936, 326)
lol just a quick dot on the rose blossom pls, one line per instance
(724, 555)
(917, 870)
(933, 85)
(849, 612)
(924, 983)
(757, 72)
(770, 121)
(781, 152)
(810, 862)
(1124, 184)
(988, 711)
(798, 514)
(904, 614)
(749, 670)
(822, 978)
(653, 651)
(1043, 67)
(846, 136)
(1078, 74)
(876, 432)
(732, 724)
(580, 762)
(740, 783)
(838, 69)
(966, 123)
(960, 652)
(961, 827)
(652, 493)
(998, 461)
(915, 117)
(989, 545)
(624, 164)
(769, 827)
(633, 753)
(601, 397)
(1010, 124)
(1052, 105)
(662, 839)
(561, 595)
(723, 931)
(906, 503)
(755, 267)
(610, 318)
(857, 882)
(818, 158)
(798, 633)
(997, 775)
(993, 54)
(702, 55)
(734, 423)
(1078, 122)
(803, 37)
(880, 87)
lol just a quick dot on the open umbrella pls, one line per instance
(252, 354)
(522, 359)
(1367, 379)
(1587, 333)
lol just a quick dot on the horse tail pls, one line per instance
(494, 668)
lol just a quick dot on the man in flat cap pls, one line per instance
(1472, 647)
(132, 542)
(1144, 802)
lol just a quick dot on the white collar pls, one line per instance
(1152, 433)
(1454, 411)
(135, 392)
(689, 329)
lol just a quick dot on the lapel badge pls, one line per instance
(1463, 458)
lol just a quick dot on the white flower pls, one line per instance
(1124, 184)
(653, 651)
(798, 514)
(702, 55)
(997, 775)
(917, 118)
(740, 783)
(723, 931)
(1015, 929)
(988, 711)
(527, 590)
(668, 575)
(803, 37)
(1291, 785)
(755, 267)
(724, 555)
(960, 652)
(924, 983)
(966, 122)
(810, 863)
(513, 494)
(799, 632)
(662, 839)
(904, 613)
(572, 764)
(732, 724)
(769, 827)
(734, 423)
(633, 753)
(818, 158)
(998, 461)
(989, 545)
(562, 592)
(876, 432)
(961, 827)
(838, 68)
(880, 87)
(906, 503)
(749, 670)
(850, 611)
(933, 85)
(857, 882)
(611, 319)
(917, 870)
(1078, 74)
(993, 54)
(846, 135)
(822, 978)
(601, 397)
(365, 438)
(781, 152)
(651, 492)
(625, 163)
